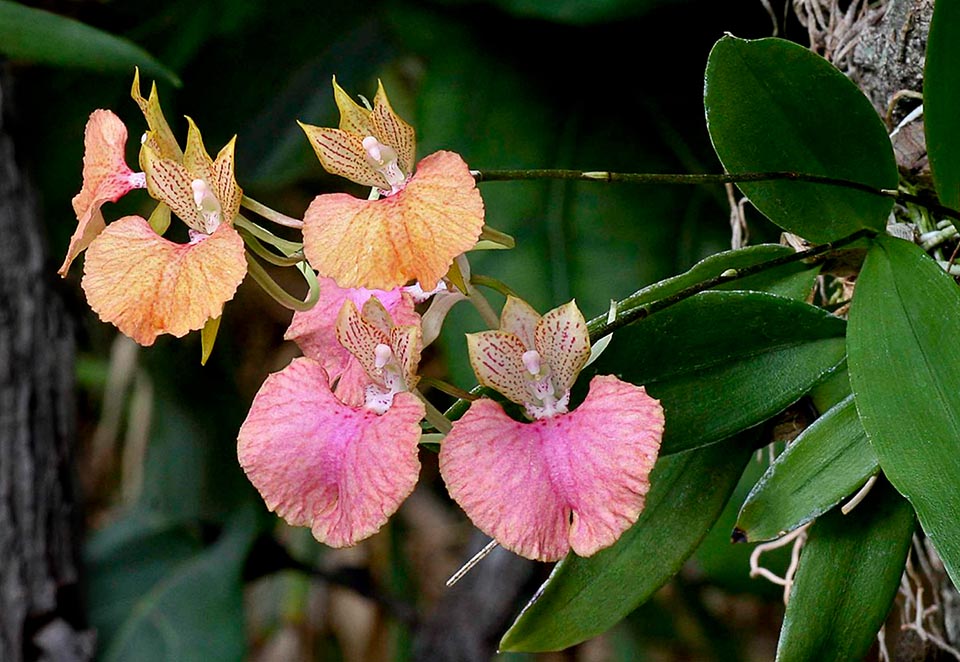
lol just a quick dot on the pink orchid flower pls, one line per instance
(413, 233)
(567, 479)
(134, 278)
(341, 468)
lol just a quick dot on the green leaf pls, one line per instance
(39, 36)
(721, 362)
(791, 280)
(172, 619)
(775, 106)
(905, 375)
(585, 596)
(941, 99)
(849, 572)
(827, 462)
(127, 558)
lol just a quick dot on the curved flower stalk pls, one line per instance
(340, 466)
(566, 479)
(134, 278)
(420, 225)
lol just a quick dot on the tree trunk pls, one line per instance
(40, 607)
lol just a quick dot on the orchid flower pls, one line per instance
(341, 465)
(420, 225)
(134, 278)
(566, 479)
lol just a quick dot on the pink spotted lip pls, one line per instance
(570, 481)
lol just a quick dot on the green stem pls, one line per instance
(446, 387)
(723, 178)
(629, 311)
(262, 251)
(433, 415)
(270, 214)
(284, 246)
(494, 284)
(475, 296)
(281, 296)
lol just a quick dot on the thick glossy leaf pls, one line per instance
(905, 375)
(39, 36)
(721, 362)
(941, 99)
(171, 620)
(585, 596)
(827, 462)
(849, 572)
(773, 105)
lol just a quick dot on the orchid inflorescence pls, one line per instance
(332, 440)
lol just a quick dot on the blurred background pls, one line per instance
(181, 559)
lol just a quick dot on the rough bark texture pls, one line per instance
(39, 599)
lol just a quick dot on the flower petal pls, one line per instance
(170, 182)
(390, 129)
(573, 481)
(497, 360)
(314, 330)
(563, 340)
(340, 470)
(160, 137)
(354, 118)
(342, 154)
(146, 285)
(519, 318)
(412, 235)
(360, 337)
(106, 178)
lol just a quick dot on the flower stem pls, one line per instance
(631, 311)
(722, 178)
(433, 415)
(284, 246)
(270, 214)
(277, 293)
(493, 283)
(475, 297)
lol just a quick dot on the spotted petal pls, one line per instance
(342, 154)
(519, 318)
(106, 178)
(497, 360)
(412, 235)
(563, 339)
(147, 286)
(160, 138)
(314, 330)
(171, 183)
(340, 470)
(573, 481)
(354, 118)
(390, 129)
(360, 337)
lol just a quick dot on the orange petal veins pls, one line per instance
(160, 137)
(390, 129)
(147, 286)
(170, 182)
(354, 118)
(342, 154)
(106, 177)
(412, 235)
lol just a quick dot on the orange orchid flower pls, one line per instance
(134, 278)
(422, 222)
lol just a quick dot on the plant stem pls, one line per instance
(722, 178)
(270, 214)
(600, 326)
(433, 415)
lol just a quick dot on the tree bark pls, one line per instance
(40, 606)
